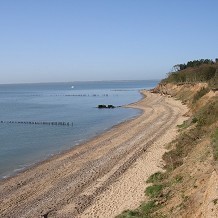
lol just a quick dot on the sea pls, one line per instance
(28, 110)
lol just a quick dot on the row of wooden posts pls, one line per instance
(40, 123)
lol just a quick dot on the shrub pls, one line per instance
(154, 190)
(194, 120)
(129, 214)
(194, 71)
(148, 208)
(155, 178)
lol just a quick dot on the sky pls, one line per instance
(94, 40)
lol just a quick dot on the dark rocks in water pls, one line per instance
(103, 106)
(110, 106)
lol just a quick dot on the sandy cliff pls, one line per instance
(195, 194)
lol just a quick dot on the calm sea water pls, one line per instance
(22, 145)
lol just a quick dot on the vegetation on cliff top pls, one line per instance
(203, 70)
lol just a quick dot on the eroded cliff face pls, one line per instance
(208, 204)
(196, 194)
(186, 92)
(188, 188)
(174, 89)
(194, 185)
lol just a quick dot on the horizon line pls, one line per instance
(26, 83)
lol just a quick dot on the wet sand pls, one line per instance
(101, 177)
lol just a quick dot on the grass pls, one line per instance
(203, 118)
(208, 114)
(200, 93)
(183, 145)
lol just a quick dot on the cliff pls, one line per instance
(188, 187)
(191, 164)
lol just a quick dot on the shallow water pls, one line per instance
(22, 145)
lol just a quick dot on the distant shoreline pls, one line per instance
(88, 81)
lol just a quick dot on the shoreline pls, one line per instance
(83, 141)
(56, 155)
(71, 182)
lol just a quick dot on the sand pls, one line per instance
(101, 177)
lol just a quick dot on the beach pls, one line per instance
(101, 177)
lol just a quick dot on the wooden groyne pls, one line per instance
(71, 95)
(39, 123)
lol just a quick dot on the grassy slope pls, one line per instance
(186, 187)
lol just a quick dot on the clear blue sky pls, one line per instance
(68, 40)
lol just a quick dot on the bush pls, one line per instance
(203, 72)
(194, 120)
(129, 214)
(148, 208)
(155, 178)
(154, 190)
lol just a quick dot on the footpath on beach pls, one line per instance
(101, 177)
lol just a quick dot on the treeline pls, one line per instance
(204, 70)
(194, 63)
